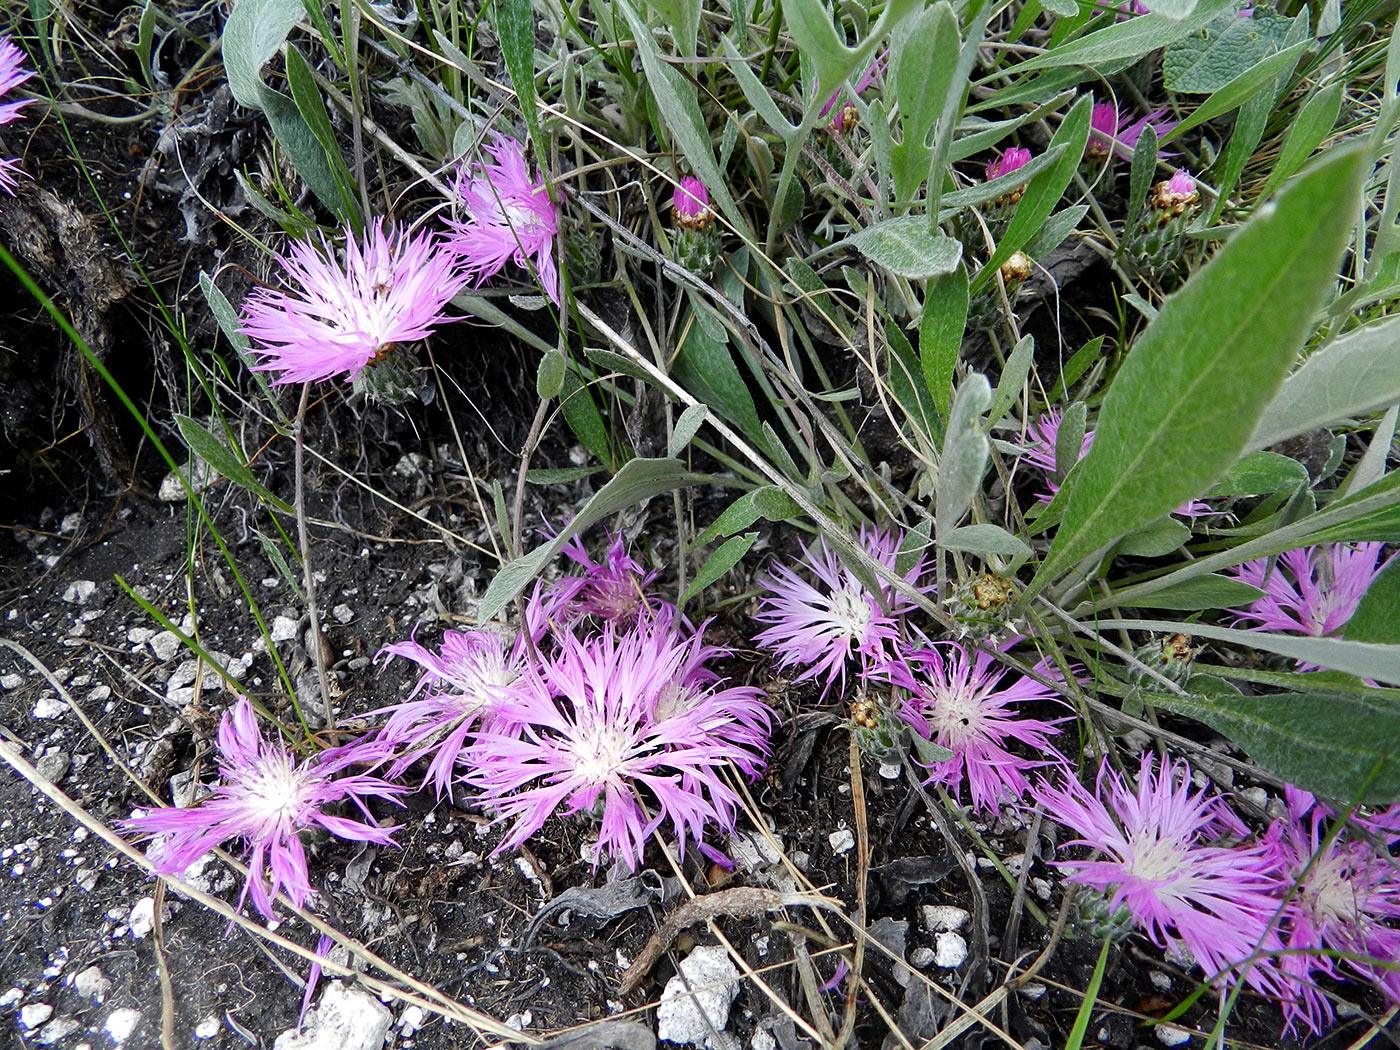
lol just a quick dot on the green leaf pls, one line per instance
(562, 475)
(811, 26)
(254, 31)
(921, 72)
(1063, 8)
(1174, 9)
(584, 419)
(951, 203)
(1075, 368)
(1191, 392)
(1054, 230)
(549, 379)
(941, 334)
(218, 455)
(769, 502)
(1127, 40)
(1206, 61)
(706, 368)
(1380, 663)
(964, 454)
(1375, 619)
(685, 428)
(906, 381)
(303, 149)
(1242, 88)
(985, 539)
(718, 563)
(1314, 122)
(1352, 376)
(312, 109)
(515, 26)
(905, 246)
(1211, 591)
(1012, 379)
(1262, 473)
(1336, 746)
(636, 481)
(915, 545)
(1159, 538)
(1044, 191)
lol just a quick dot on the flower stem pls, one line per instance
(318, 649)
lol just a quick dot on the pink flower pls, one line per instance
(266, 797)
(1040, 453)
(12, 75)
(464, 684)
(339, 317)
(691, 204)
(1181, 183)
(612, 591)
(1343, 894)
(874, 72)
(820, 626)
(957, 700)
(1014, 159)
(510, 218)
(628, 726)
(1215, 901)
(1312, 590)
(1107, 133)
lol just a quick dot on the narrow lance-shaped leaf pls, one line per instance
(1187, 399)
(964, 454)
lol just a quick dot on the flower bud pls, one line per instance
(1172, 198)
(691, 204)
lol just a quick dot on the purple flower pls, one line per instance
(1215, 901)
(820, 626)
(1040, 453)
(464, 684)
(1107, 133)
(510, 218)
(1342, 895)
(629, 726)
(1312, 590)
(266, 797)
(12, 75)
(691, 204)
(957, 699)
(844, 121)
(340, 316)
(1014, 159)
(612, 591)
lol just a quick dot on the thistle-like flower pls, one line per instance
(1339, 895)
(612, 591)
(510, 218)
(12, 74)
(846, 116)
(463, 685)
(1215, 901)
(957, 699)
(1311, 590)
(265, 797)
(1174, 197)
(335, 318)
(1044, 433)
(628, 725)
(821, 625)
(691, 204)
(1109, 135)
(1014, 159)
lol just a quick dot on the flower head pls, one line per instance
(510, 218)
(1014, 159)
(820, 614)
(1181, 891)
(846, 116)
(266, 796)
(611, 591)
(1341, 895)
(1109, 135)
(1311, 590)
(463, 685)
(629, 725)
(957, 699)
(338, 317)
(12, 75)
(1174, 197)
(691, 204)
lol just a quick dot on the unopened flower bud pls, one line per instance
(1014, 159)
(691, 204)
(1016, 269)
(1172, 198)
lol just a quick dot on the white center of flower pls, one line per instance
(674, 700)
(1332, 893)
(850, 611)
(521, 219)
(956, 717)
(1152, 859)
(600, 752)
(274, 790)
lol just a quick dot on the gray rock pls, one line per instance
(54, 765)
(57, 1031)
(92, 984)
(691, 1014)
(79, 591)
(35, 1014)
(939, 917)
(165, 645)
(949, 950)
(49, 706)
(11, 681)
(121, 1023)
(347, 1018)
(142, 919)
(343, 614)
(284, 629)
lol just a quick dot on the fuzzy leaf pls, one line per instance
(905, 246)
(769, 502)
(254, 31)
(219, 456)
(1159, 444)
(718, 563)
(964, 454)
(1206, 61)
(1375, 619)
(985, 539)
(1211, 591)
(941, 335)
(685, 428)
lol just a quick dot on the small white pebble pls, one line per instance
(121, 1023)
(1161, 981)
(49, 707)
(921, 957)
(842, 841)
(35, 1014)
(949, 951)
(142, 919)
(207, 1028)
(944, 917)
(1171, 1035)
(1033, 991)
(79, 591)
